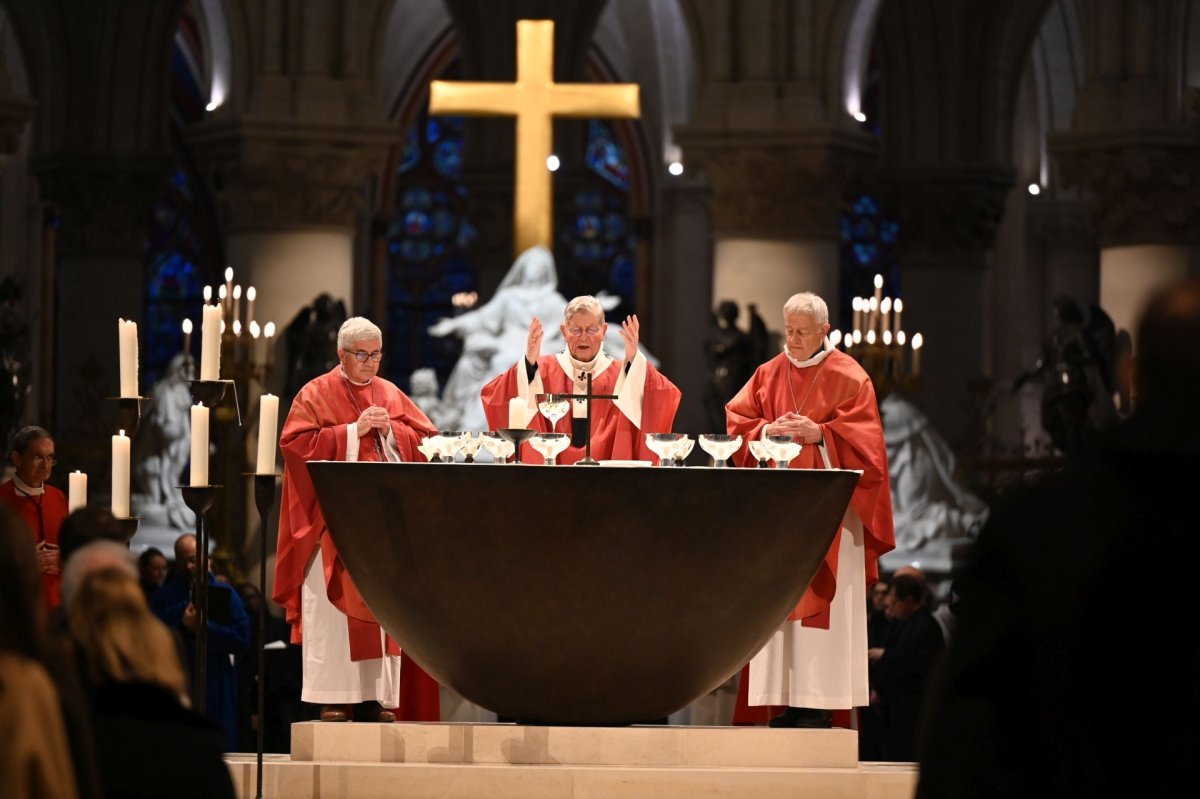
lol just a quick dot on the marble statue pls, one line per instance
(423, 390)
(934, 513)
(494, 333)
(162, 451)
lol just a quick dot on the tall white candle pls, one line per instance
(856, 305)
(120, 475)
(237, 303)
(76, 491)
(268, 425)
(210, 343)
(517, 412)
(250, 295)
(127, 339)
(199, 445)
(898, 307)
(917, 341)
(187, 336)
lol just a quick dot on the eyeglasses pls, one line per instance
(591, 330)
(48, 460)
(362, 357)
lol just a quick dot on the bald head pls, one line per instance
(1168, 358)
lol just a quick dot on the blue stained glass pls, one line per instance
(870, 246)
(433, 130)
(448, 157)
(615, 226)
(415, 249)
(393, 247)
(419, 198)
(605, 156)
(444, 223)
(587, 226)
(411, 153)
(416, 223)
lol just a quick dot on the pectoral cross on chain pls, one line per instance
(587, 396)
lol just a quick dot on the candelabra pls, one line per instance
(879, 343)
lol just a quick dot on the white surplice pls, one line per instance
(823, 669)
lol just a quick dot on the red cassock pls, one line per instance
(44, 514)
(614, 435)
(315, 430)
(838, 395)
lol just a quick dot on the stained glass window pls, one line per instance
(597, 240)
(428, 242)
(869, 247)
(176, 266)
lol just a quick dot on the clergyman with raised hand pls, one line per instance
(646, 400)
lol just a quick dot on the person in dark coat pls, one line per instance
(1073, 669)
(902, 665)
(226, 636)
(148, 743)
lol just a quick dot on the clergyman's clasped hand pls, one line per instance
(373, 418)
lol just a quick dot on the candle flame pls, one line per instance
(835, 337)
(879, 281)
(918, 340)
(900, 338)
(874, 304)
(269, 330)
(187, 326)
(870, 336)
(887, 337)
(898, 305)
(222, 292)
(229, 274)
(237, 292)
(885, 307)
(237, 327)
(856, 304)
(254, 329)
(120, 432)
(251, 294)
(207, 294)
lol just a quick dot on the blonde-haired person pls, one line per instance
(148, 743)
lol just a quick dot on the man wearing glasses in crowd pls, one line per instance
(646, 400)
(41, 505)
(351, 667)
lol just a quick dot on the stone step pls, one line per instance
(287, 779)
(637, 746)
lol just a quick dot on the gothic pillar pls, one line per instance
(1146, 207)
(100, 212)
(291, 199)
(776, 203)
(948, 217)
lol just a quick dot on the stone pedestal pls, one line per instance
(497, 761)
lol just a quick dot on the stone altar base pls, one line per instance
(506, 761)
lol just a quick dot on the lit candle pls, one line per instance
(187, 336)
(254, 331)
(872, 313)
(885, 308)
(228, 288)
(878, 289)
(898, 307)
(120, 475)
(250, 296)
(268, 424)
(887, 337)
(835, 338)
(900, 337)
(917, 341)
(199, 445)
(268, 332)
(127, 339)
(237, 304)
(76, 491)
(856, 304)
(237, 328)
(210, 343)
(871, 335)
(858, 336)
(207, 294)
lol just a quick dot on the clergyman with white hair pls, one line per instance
(352, 669)
(646, 401)
(817, 661)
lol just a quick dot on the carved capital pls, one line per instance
(777, 185)
(1062, 222)
(947, 214)
(276, 176)
(1144, 185)
(102, 205)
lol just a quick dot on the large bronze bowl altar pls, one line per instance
(576, 595)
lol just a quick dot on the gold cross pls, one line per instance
(535, 99)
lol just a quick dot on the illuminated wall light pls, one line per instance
(675, 168)
(1035, 189)
(552, 163)
(859, 116)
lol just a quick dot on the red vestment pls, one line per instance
(614, 435)
(838, 395)
(315, 429)
(44, 514)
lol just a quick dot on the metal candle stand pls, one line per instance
(264, 501)
(129, 527)
(200, 500)
(129, 413)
